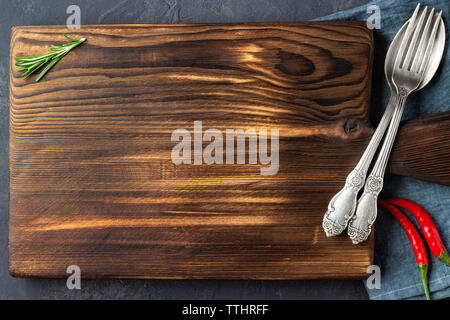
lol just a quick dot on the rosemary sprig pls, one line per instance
(32, 64)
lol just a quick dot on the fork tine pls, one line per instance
(430, 44)
(412, 52)
(423, 40)
(405, 40)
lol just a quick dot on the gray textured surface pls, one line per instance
(47, 12)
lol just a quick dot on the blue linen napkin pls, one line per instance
(400, 278)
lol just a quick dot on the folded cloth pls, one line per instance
(400, 278)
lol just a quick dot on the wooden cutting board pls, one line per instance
(92, 181)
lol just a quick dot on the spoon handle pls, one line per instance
(360, 225)
(342, 206)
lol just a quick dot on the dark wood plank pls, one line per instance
(422, 149)
(91, 178)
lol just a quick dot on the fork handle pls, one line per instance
(360, 225)
(342, 206)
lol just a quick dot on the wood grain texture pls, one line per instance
(422, 149)
(91, 178)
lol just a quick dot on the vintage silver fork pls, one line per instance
(408, 73)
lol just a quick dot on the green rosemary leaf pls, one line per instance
(61, 47)
(31, 70)
(26, 59)
(48, 67)
(33, 63)
(70, 39)
(30, 63)
(60, 54)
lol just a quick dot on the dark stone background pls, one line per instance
(48, 12)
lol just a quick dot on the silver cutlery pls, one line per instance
(343, 205)
(408, 74)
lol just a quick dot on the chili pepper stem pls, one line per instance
(423, 270)
(444, 257)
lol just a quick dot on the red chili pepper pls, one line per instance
(428, 227)
(420, 252)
